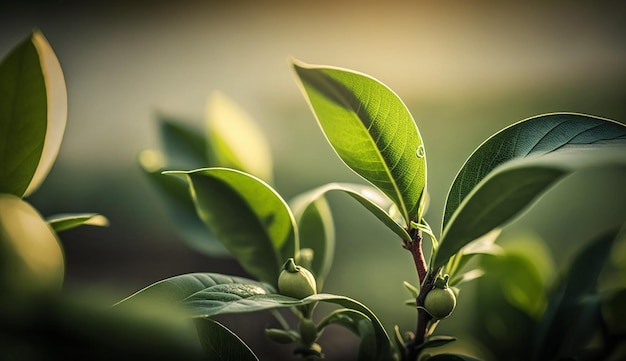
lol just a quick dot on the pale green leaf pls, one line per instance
(250, 219)
(62, 222)
(33, 113)
(235, 138)
(517, 165)
(221, 344)
(371, 130)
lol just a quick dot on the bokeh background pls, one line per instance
(464, 69)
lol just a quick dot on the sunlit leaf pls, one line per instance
(371, 130)
(180, 206)
(62, 222)
(316, 231)
(221, 344)
(360, 325)
(31, 257)
(563, 321)
(250, 219)
(517, 165)
(33, 113)
(235, 138)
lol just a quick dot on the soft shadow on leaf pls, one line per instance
(371, 130)
(221, 344)
(184, 147)
(62, 222)
(248, 216)
(517, 165)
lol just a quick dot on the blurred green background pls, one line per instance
(464, 69)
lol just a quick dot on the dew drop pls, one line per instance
(420, 151)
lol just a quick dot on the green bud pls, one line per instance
(295, 281)
(308, 331)
(440, 301)
(281, 336)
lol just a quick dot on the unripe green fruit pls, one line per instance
(295, 281)
(440, 302)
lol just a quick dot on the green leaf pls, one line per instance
(371, 130)
(568, 307)
(33, 113)
(221, 344)
(180, 206)
(252, 221)
(451, 357)
(316, 231)
(236, 140)
(184, 146)
(31, 258)
(360, 325)
(62, 222)
(514, 167)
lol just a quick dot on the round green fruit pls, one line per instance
(440, 302)
(295, 281)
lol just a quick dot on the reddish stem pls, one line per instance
(415, 247)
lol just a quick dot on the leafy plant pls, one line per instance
(217, 183)
(374, 134)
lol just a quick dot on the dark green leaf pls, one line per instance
(184, 146)
(181, 208)
(62, 222)
(252, 221)
(360, 325)
(371, 130)
(33, 113)
(517, 165)
(563, 320)
(451, 357)
(235, 139)
(221, 344)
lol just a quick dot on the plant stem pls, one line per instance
(415, 247)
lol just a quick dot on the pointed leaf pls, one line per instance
(531, 165)
(221, 344)
(371, 130)
(33, 113)
(180, 206)
(62, 222)
(316, 231)
(252, 221)
(236, 140)
(184, 146)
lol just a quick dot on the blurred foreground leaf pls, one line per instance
(221, 344)
(62, 222)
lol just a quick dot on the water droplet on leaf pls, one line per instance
(420, 151)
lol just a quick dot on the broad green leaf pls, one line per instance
(221, 344)
(62, 222)
(316, 231)
(236, 140)
(184, 147)
(31, 257)
(567, 302)
(180, 288)
(360, 325)
(531, 166)
(371, 130)
(206, 304)
(33, 113)
(534, 136)
(250, 219)
(180, 206)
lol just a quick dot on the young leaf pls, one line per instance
(252, 221)
(183, 146)
(62, 222)
(33, 113)
(515, 166)
(371, 130)
(221, 344)
(236, 140)
(316, 231)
